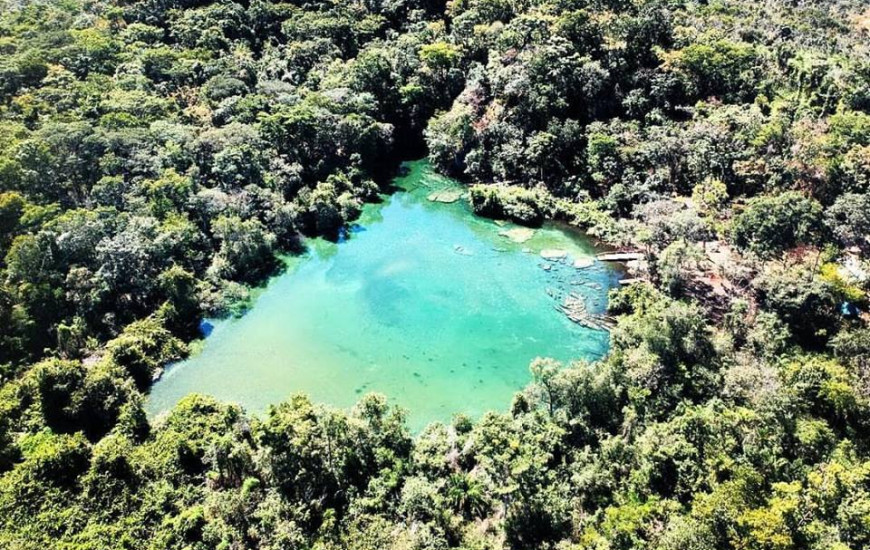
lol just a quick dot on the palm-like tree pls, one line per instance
(465, 494)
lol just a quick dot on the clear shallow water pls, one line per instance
(424, 303)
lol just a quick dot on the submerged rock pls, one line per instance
(553, 254)
(459, 249)
(445, 195)
(583, 263)
(518, 234)
(574, 307)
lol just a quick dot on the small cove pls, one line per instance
(424, 302)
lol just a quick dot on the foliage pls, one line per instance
(157, 157)
(528, 207)
(770, 225)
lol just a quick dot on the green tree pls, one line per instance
(771, 225)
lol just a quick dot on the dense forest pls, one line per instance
(159, 157)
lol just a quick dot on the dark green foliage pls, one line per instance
(808, 304)
(664, 355)
(527, 207)
(730, 70)
(157, 156)
(849, 218)
(144, 347)
(770, 225)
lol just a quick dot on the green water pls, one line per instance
(424, 302)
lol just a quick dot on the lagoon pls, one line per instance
(424, 302)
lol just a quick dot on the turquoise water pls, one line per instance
(424, 302)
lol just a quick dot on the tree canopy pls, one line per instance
(158, 157)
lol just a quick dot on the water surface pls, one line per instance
(424, 302)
